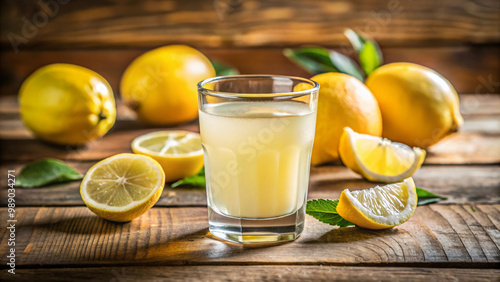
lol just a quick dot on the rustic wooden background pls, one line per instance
(60, 239)
(458, 38)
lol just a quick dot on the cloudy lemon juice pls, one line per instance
(257, 133)
(257, 157)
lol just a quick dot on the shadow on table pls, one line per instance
(341, 183)
(197, 246)
(87, 225)
(350, 234)
(201, 246)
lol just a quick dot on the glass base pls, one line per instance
(256, 231)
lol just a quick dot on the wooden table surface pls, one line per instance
(58, 238)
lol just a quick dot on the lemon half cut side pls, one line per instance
(122, 187)
(179, 152)
(379, 207)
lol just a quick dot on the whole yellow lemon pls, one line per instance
(419, 107)
(67, 104)
(161, 85)
(343, 101)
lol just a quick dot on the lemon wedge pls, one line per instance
(379, 207)
(179, 152)
(122, 187)
(378, 159)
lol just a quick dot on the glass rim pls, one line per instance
(224, 94)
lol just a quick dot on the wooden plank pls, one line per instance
(482, 104)
(476, 143)
(256, 273)
(234, 23)
(476, 107)
(18, 145)
(13, 128)
(475, 68)
(465, 148)
(461, 184)
(437, 236)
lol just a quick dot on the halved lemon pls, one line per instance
(178, 152)
(378, 159)
(379, 207)
(122, 187)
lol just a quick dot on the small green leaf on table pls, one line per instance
(425, 197)
(318, 60)
(222, 69)
(47, 171)
(325, 211)
(197, 180)
(369, 53)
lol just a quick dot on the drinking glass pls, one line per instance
(257, 133)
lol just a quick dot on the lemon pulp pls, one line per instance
(119, 183)
(178, 152)
(379, 159)
(379, 207)
(122, 187)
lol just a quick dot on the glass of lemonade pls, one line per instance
(257, 133)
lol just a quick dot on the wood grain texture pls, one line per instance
(480, 109)
(438, 236)
(475, 68)
(476, 143)
(247, 23)
(460, 184)
(257, 273)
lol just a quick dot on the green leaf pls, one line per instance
(369, 58)
(368, 51)
(346, 65)
(356, 40)
(47, 171)
(197, 180)
(222, 69)
(313, 60)
(320, 60)
(325, 211)
(425, 197)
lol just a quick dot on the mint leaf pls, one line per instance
(320, 60)
(369, 53)
(47, 171)
(425, 197)
(197, 180)
(222, 69)
(325, 211)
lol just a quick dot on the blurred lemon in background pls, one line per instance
(344, 101)
(161, 85)
(419, 107)
(67, 104)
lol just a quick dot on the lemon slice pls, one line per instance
(379, 207)
(122, 187)
(179, 152)
(378, 159)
